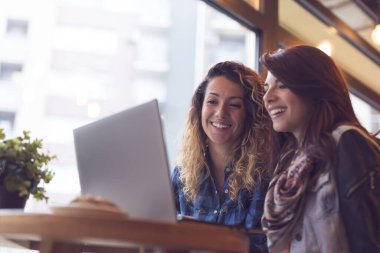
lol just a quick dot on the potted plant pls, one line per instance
(22, 167)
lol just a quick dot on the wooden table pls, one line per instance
(51, 233)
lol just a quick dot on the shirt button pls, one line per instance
(216, 192)
(298, 237)
(215, 211)
(226, 191)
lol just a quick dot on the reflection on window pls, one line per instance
(94, 58)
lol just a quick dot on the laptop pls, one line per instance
(123, 158)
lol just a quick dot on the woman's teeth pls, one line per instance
(276, 111)
(220, 125)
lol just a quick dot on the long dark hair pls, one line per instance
(312, 75)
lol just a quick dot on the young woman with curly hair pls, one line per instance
(223, 170)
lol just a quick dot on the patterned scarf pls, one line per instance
(284, 202)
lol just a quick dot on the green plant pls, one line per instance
(23, 165)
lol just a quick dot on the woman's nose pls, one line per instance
(268, 96)
(221, 110)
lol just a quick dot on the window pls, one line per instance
(257, 4)
(100, 57)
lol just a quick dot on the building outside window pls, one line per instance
(8, 70)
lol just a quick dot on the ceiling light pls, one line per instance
(332, 30)
(376, 34)
(326, 47)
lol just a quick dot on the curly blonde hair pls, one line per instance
(249, 158)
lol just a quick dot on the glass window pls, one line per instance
(90, 59)
(221, 38)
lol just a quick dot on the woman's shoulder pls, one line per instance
(353, 132)
(356, 156)
(353, 142)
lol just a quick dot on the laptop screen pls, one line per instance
(123, 158)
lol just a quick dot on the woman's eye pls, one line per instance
(282, 86)
(212, 102)
(236, 105)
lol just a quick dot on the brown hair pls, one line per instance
(312, 75)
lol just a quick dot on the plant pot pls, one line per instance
(10, 200)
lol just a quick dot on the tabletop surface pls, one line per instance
(120, 232)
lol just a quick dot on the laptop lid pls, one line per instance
(123, 158)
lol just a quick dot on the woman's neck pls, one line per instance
(219, 157)
(298, 140)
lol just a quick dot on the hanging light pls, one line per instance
(332, 30)
(326, 47)
(376, 34)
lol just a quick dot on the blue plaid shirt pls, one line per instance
(245, 211)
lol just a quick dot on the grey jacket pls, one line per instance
(321, 229)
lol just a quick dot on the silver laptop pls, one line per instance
(123, 158)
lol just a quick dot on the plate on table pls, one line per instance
(89, 210)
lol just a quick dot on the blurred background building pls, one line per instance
(66, 63)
